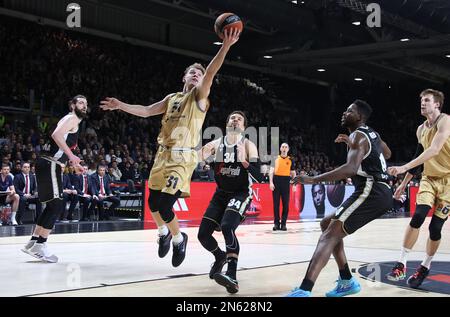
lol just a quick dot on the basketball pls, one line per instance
(227, 21)
(335, 194)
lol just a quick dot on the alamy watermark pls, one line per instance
(74, 277)
(374, 18)
(74, 18)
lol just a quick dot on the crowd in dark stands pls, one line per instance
(42, 67)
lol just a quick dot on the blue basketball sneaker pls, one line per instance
(298, 292)
(344, 288)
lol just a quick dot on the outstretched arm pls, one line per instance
(208, 149)
(137, 110)
(358, 147)
(401, 188)
(439, 139)
(231, 37)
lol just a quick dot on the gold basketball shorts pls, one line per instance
(434, 191)
(172, 170)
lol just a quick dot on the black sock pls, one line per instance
(307, 285)
(41, 240)
(345, 273)
(33, 238)
(232, 267)
(218, 254)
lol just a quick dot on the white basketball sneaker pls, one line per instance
(41, 252)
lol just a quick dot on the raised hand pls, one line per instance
(231, 36)
(110, 104)
(399, 192)
(396, 170)
(343, 138)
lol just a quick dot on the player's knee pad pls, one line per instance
(206, 229)
(435, 228)
(231, 241)
(419, 216)
(153, 200)
(205, 234)
(230, 222)
(166, 205)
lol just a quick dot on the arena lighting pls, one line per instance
(320, 69)
(217, 43)
(358, 79)
(356, 23)
(294, 1)
(404, 40)
(448, 55)
(267, 56)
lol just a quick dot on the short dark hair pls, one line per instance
(239, 112)
(74, 100)
(5, 165)
(100, 166)
(364, 109)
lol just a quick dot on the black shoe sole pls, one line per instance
(226, 282)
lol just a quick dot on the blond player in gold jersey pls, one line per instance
(433, 152)
(183, 116)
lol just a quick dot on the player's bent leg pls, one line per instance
(205, 236)
(230, 222)
(398, 272)
(433, 242)
(179, 239)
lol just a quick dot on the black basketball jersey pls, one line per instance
(229, 174)
(373, 166)
(57, 153)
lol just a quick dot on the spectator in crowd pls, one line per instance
(8, 193)
(26, 188)
(101, 184)
(85, 193)
(70, 194)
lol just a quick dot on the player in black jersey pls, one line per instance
(49, 177)
(236, 163)
(372, 198)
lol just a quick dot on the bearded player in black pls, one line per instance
(49, 177)
(236, 165)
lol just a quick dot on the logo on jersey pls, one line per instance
(229, 171)
(176, 106)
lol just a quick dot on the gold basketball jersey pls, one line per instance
(182, 122)
(438, 166)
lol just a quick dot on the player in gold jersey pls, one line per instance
(434, 149)
(176, 159)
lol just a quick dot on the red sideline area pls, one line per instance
(191, 209)
(194, 207)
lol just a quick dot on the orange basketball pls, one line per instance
(227, 21)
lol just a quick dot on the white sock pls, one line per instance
(163, 230)
(177, 239)
(427, 261)
(404, 255)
